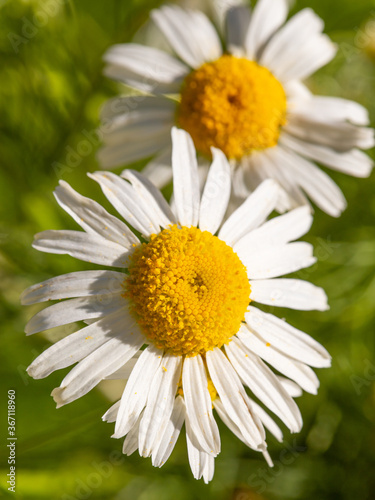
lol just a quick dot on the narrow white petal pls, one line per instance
(111, 414)
(92, 217)
(83, 246)
(97, 365)
(201, 463)
(157, 207)
(216, 193)
(199, 405)
(339, 135)
(69, 311)
(353, 162)
(78, 284)
(80, 344)
(161, 454)
(277, 260)
(267, 17)
(291, 387)
(302, 374)
(251, 214)
(123, 373)
(160, 401)
(130, 150)
(292, 293)
(131, 441)
(147, 63)
(232, 394)
(126, 201)
(299, 48)
(185, 178)
(159, 169)
(331, 109)
(136, 391)
(189, 33)
(267, 421)
(237, 24)
(316, 183)
(277, 231)
(264, 384)
(288, 339)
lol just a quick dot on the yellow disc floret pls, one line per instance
(188, 290)
(233, 104)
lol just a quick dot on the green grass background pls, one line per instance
(51, 89)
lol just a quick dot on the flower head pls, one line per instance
(177, 321)
(246, 99)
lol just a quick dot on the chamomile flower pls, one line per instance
(177, 319)
(246, 98)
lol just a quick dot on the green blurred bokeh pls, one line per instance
(51, 89)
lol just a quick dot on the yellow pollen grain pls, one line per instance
(188, 290)
(233, 104)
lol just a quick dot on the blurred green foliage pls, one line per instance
(51, 89)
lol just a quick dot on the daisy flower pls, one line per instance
(246, 99)
(175, 320)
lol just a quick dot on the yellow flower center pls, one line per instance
(233, 104)
(188, 290)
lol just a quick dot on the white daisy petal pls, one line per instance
(153, 201)
(160, 401)
(201, 463)
(161, 454)
(147, 64)
(199, 405)
(338, 135)
(124, 372)
(232, 394)
(316, 183)
(264, 384)
(136, 391)
(237, 23)
(302, 374)
(72, 310)
(185, 178)
(131, 441)
(267, 421)
(291, 387)
(267, 17)
(269, 161)
(92, 217)
(251, 214)
(208, 468)
(190, 34)
(78, 284)
(288, 339)
(353, 162)
(331, 109)
(298, 48)
(159, 170)
(292, 293)
(277, 231)
(125, 200)
(97, 365)
(82, 246)
(131, 150)
(216, 193)
(77, 345)
(277, 260)
(111, 414)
